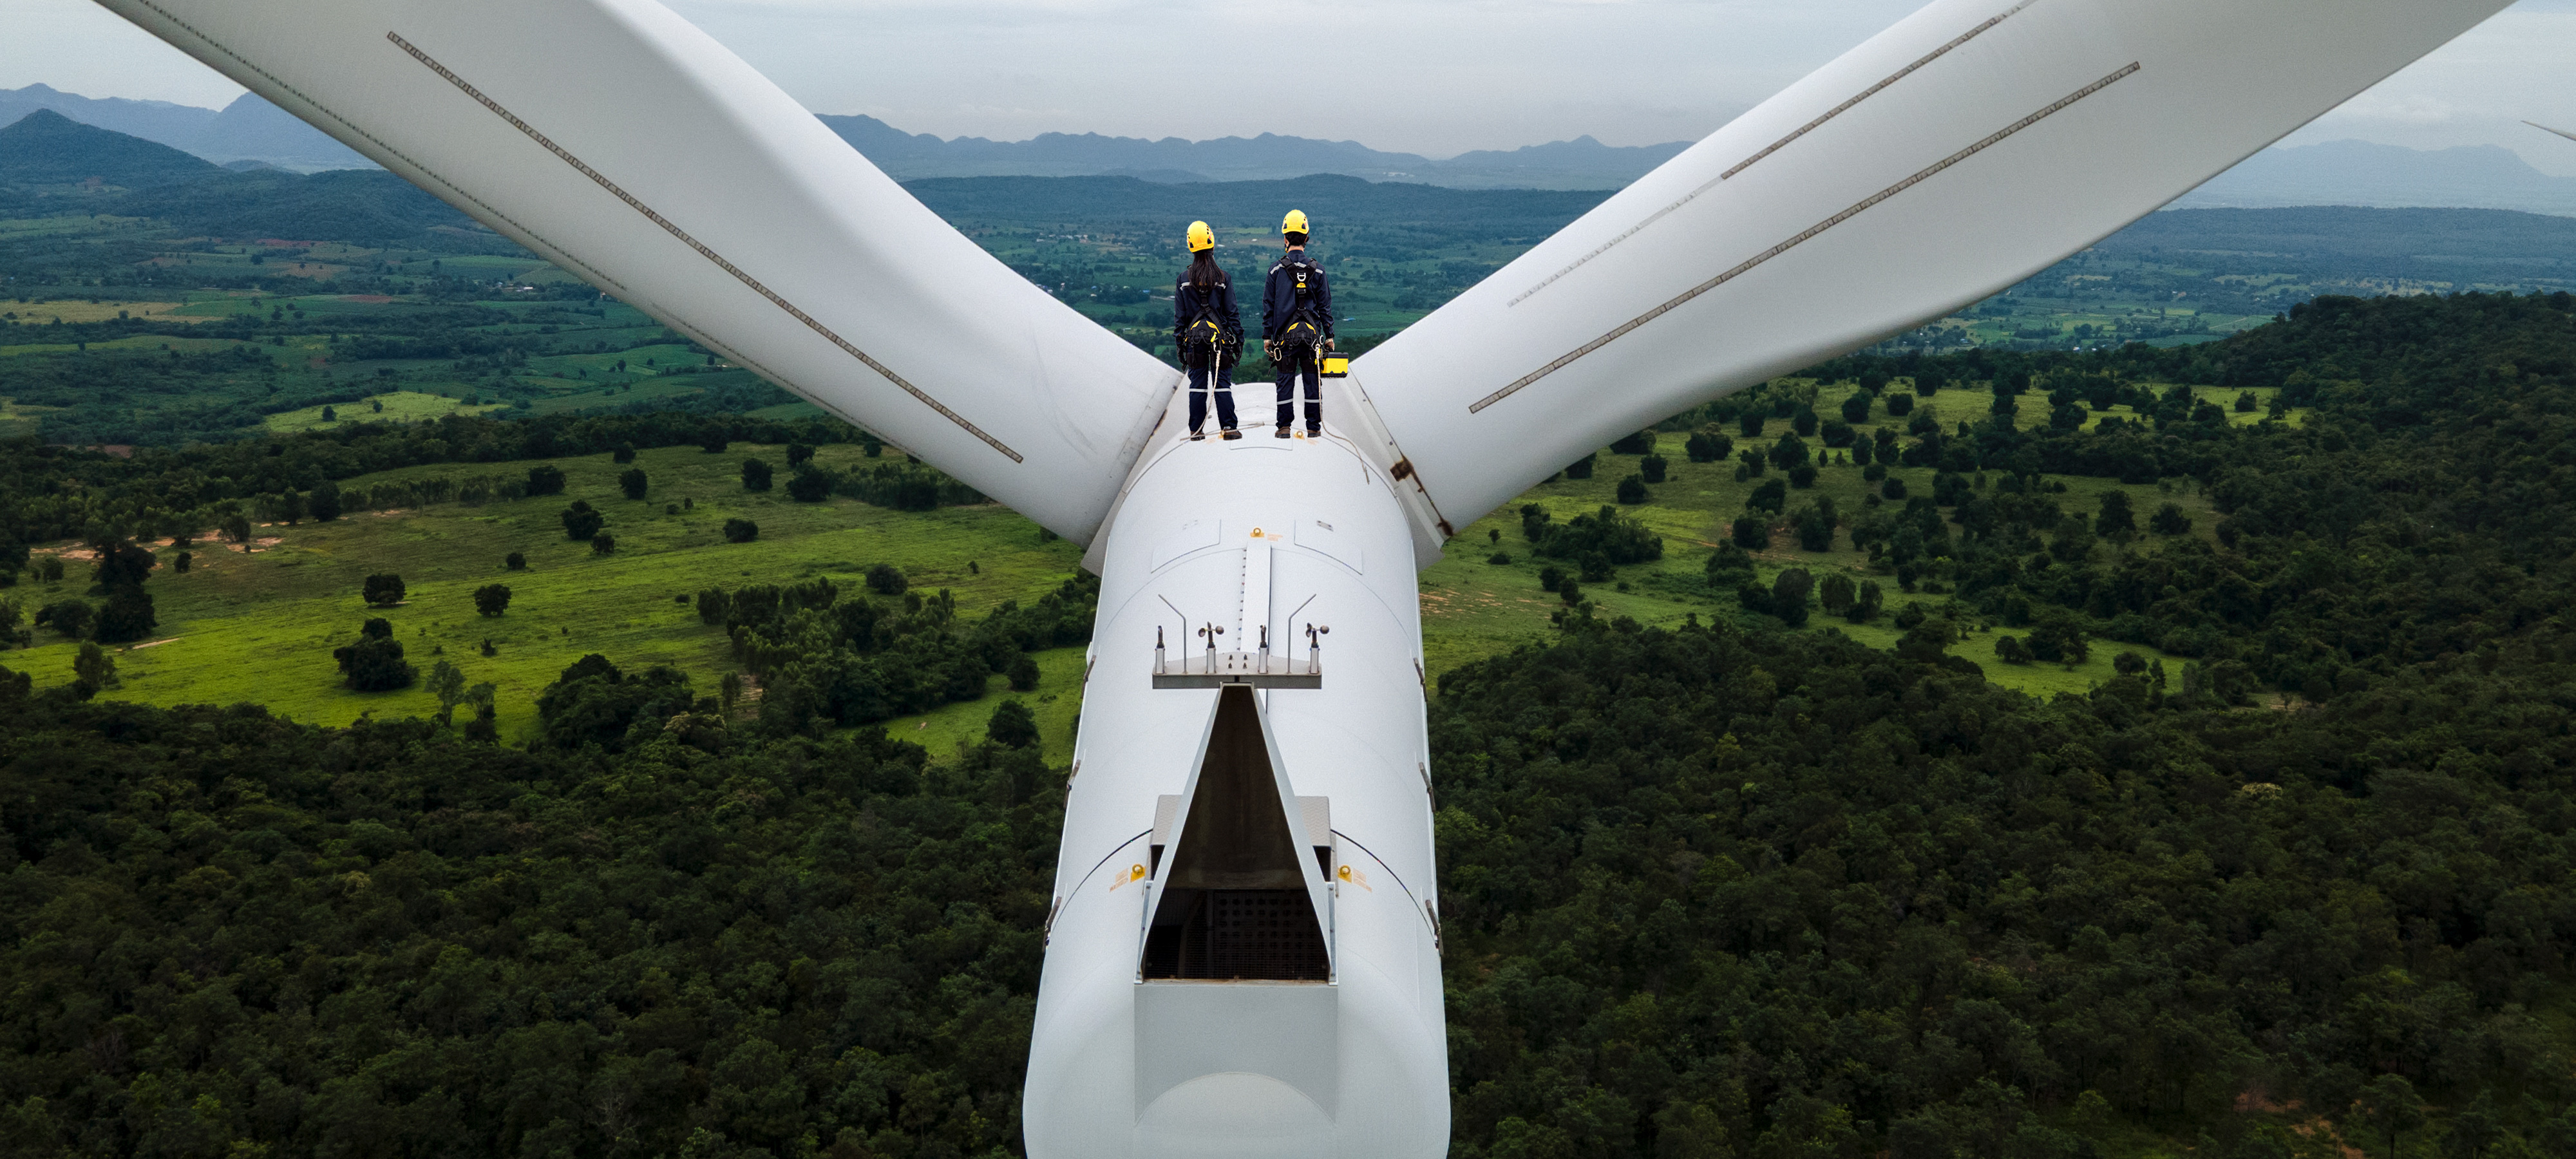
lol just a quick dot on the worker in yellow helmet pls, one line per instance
(1208, 329)
(1297, 325)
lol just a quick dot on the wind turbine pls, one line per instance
(1243, 950)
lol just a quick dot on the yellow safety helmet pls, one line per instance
(1201, 237)
(1295, 222)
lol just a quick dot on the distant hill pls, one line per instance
(45, 151)
(2462, 248)
(370, 207)
(1582, 163)
(249, 129)
(1353, 217)
(47, 148)
(2387, 176)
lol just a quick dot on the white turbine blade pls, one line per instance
(626, 146)
(2547, 129)
(1963, 150)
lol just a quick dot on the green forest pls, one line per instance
(2128, 719)
(1721, 888)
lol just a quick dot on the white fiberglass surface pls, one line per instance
(1969, 146)
(1357, 741)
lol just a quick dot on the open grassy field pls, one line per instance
(261, 626)
(400, 406)
(72, 310)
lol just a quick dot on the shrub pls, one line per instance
(545, 479)
(515, 561)
(1803, 422)
(324, 503)
(798, 454)
(1551, 578)
(810, 485)
(1499, 558)
(1652, 468)
(623, 454)
(1012, 726)
(1802, 476)
(1708, 446)
(1814, 524)
(70, 618)
(1581, 468)
(1900, 405)
(1750, 423)
(1789, 596)
(581, 521)
(1616, 538)
(2010, 650)
(1632, 490)
(126, 616)
(1750, 532)
(1893, 489)
(2169, 520)
(1728, 564)
(375, 662)
(633, 482)
(1641, 443)
(755, 475)
(384, 590)
(92, 670)
(2115, 523)
(713, 444)
(886, 580)
(1867, 601)
(1772, 496)
(2057, 638)
(1856, 408)
(712, 605)
(740, 531)
(603, 544)
(1022, 673)
(1571, 592)
(492, 599)
(1836, 594)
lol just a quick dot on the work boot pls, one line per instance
(1283, 430)
(1198, 436)
(1232, 434)
(1314, 432)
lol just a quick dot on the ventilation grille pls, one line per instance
(1243, 935)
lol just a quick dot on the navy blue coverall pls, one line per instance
(1302, 324)
(1189, 304)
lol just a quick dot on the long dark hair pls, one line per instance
(1205, 274)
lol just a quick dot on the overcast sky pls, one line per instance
(1435, 77)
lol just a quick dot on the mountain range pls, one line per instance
(251, 133)
(244, 134)
(1582, 163)
(2387, 176)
